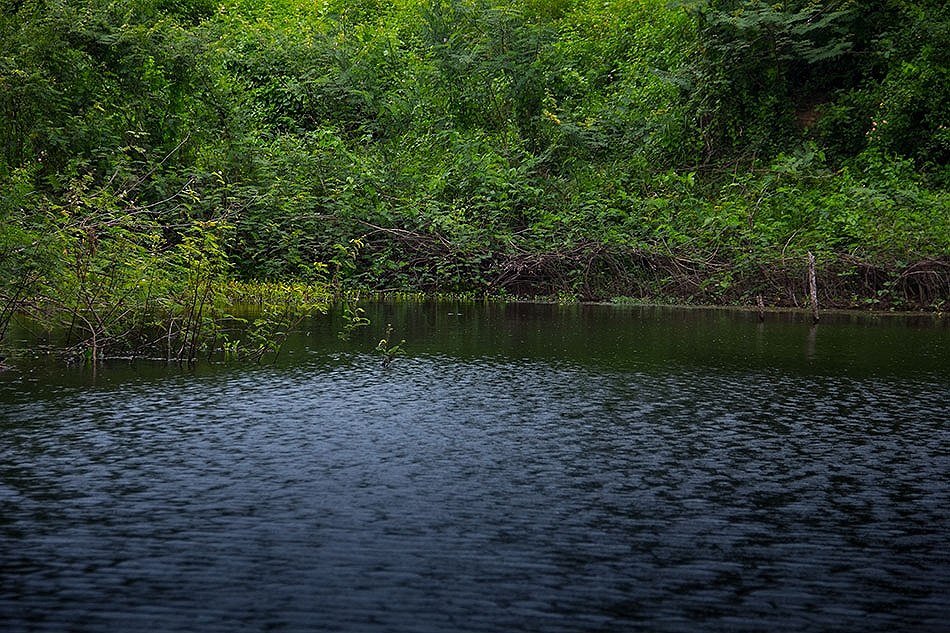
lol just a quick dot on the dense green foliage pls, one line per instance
(692, 150)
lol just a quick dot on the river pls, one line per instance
(522, 467)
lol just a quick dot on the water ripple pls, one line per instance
(480, 495)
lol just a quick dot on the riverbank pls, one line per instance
(599, 273)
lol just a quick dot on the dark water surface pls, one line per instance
(522, 468)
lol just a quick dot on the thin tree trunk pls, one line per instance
(812, 287)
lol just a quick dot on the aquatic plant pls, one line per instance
(386, 349)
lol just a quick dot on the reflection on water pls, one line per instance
(526, 470)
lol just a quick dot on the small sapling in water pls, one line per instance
(389, 351)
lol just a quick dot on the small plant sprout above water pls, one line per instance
(387, 350)
(352, 318)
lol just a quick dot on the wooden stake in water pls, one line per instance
(812, 287)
